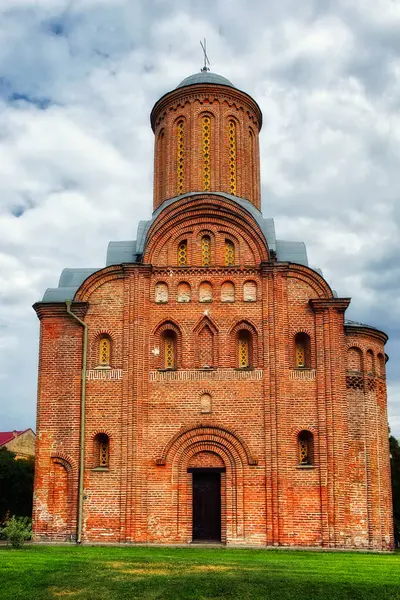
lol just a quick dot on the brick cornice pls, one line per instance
(205, 93)
(59, 309)
(205, 272)
(366, 330)
(302, 272)
(268, 268)
(136, 268)
(322, 304)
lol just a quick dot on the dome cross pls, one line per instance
(206, 61)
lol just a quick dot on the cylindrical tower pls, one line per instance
(206, 140)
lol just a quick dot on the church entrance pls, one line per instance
(206, 505)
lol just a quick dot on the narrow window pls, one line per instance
(182, 254)
(229, 253)
(369, 362)
(232, 157)
(161, 173)
(180, 157)
(252, 164)
(169, 350)
(102, 446)
(302, 351)
(300, 354)
(244, 349)
(305, 447)
(206, 136)
(104, 352)
(206, 348)
(381, 364)
(206, 251)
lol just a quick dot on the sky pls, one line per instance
(78, 80)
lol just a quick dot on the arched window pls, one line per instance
(104, 351)
(354, 359)
(205, 403)
(232, 157)
(205, 251)
(184, 292)
(206, 139)
(381, 364)
(169, 349)
(161, 158)
(250, 291)
(302, 351)
(182, 253)
(305, 442)
(102, 450)
(161, 293)
(369, 362)
(206, 348)
(227, 292)
(244, 349)
(205, 292)
(252, 164)
(229, 253)
(180, 156)
(206, 344)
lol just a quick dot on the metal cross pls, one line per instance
(206, 61)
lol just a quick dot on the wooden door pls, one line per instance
(206, 505)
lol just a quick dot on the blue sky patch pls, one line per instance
(42, 103)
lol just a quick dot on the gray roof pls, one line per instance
(60, 294)
(70, 280)
(266, 225)
(121, 252)
(205, 77)
(350, 323)
(291, 252)
(130, 251)
(74, 277)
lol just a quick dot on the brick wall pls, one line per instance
(159, 424)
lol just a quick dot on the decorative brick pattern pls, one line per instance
(308, 374)
(218, 375)
(180, 157)
(98, 374)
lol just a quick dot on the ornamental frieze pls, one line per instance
(209, 271)
(206, 98)
(104, 374)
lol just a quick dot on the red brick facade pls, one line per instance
(203, 371)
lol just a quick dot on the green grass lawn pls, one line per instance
(113, 573)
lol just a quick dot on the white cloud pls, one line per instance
(79, 173)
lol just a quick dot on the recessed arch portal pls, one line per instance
(232, 452)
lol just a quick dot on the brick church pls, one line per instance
(205, 385)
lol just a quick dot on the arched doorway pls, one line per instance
(207, 447)
(207, 470)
